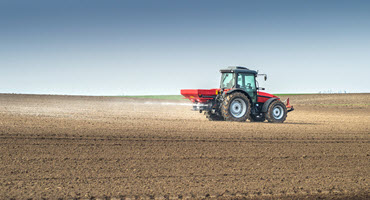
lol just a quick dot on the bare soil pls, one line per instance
(111, 147)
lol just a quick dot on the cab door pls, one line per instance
(247, 83)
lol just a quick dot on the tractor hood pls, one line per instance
(265, 94)
(262, 97)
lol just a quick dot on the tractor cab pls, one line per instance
(240, 78)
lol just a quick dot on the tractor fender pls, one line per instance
(266, 105)
(237, 90)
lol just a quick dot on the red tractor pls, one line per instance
(238, 99)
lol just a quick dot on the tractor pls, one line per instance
(238, 99)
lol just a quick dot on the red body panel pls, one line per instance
(200, 95)
(203, 95)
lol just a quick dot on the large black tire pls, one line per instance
(213, 117)
(276, 112)
(236, 107)
(258, 118)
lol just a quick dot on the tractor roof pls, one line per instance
(238, 69)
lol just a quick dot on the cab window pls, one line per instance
(246, 82)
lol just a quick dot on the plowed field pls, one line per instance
(111, 147)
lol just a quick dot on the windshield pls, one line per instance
(227, 80)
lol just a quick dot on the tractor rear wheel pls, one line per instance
(258, 118)
(276, 112)
(213, 117)
(236, 107)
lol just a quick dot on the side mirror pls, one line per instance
(265, 76)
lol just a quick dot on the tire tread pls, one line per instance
(269, 115)
(226, 104)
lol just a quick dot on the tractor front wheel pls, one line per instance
(236, 107)
(276, 112)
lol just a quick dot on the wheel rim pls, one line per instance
(238, 108)
(278, 112)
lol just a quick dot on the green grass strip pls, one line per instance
(166, 97)
(180, 97)
(344, 104)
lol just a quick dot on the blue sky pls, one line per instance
(95, 47)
